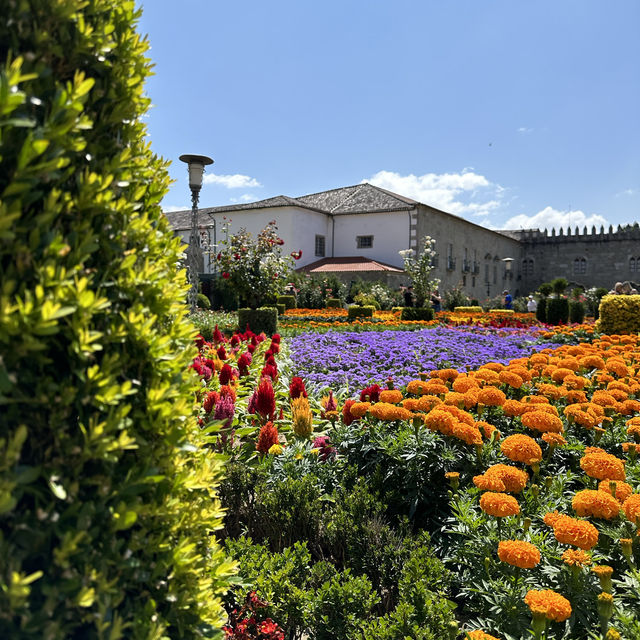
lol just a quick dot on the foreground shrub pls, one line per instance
(108, 501)
(417, 313)
(619, 314)
(557, 310)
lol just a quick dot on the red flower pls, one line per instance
(267, 437)
(370, 394)
(265, 399)
(296, 256)
(243, 363)
(210, 401)
(222, 352)
(225, 275)
(226, 374)
(217, 335)
(347, 418)
(297, 388)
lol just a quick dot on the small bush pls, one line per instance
(288, 301)
(417, 313)
(576, 311)
(557, 311)
(334, 303)
(360, 312)
(471, 309)
(259, 320)
(281, 309)
(203, 302)
(619, 314)
(541, 311)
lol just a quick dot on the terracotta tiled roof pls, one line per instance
(355, 263)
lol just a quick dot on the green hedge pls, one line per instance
(334, 303)
(203, 301)
(541, 310)
(259, 320)
(360, 312)
(417, 313)
(288, 301)
(557, 311)
(576, 311)
(107, 487)
(281, 309)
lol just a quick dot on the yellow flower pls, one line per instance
(302, 417)
(276, 449)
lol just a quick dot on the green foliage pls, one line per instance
(203, 301)
(363, 299)
(417, 313)
(258, 320)
(289, 302)
(557, 311)
(334, 303)
(546, 288)
(576, 311)
(455, 297)
(360, 312)
(559, 285)
(281, 309)
(107, 487)
(541, 310)
(419, 267)
(313, 291)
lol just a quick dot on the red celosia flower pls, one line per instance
(265, 399)
(217, 337)
(222, 352)
(347, 418)
(370, 394)
(226, 374)
(243, 364)
(210, 400)
(297, 388)
(269, 370)
(267, 437)
(275, 338)
(235, 341)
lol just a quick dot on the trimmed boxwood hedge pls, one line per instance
(417, 313)
(107, 486)
(258, 320)
(557, 311)
(356, 311)
(334, 303)
(288, 301)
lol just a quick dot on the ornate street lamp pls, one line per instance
(507, 268)
(196, 166)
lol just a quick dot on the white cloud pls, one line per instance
(525, 130)
(627, 192)
(245, 197)
(171, 208)
(235, 181)
(464, 194)
(550, 218)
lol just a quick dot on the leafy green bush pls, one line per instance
(360, 312)
(203, 301)
(107, 499)
(259, 320)
(576, 311)
(334, 303)
(417, 313)
(289, 302)
(557, 311)
(541, 310)
(281, 309)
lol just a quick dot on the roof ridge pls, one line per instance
(398, 196)
(342, 202)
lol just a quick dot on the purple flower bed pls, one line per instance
(357, 359)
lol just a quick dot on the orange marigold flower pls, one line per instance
(513, 408)
(521, 371)
(514, 479)
(552, 604)
(511, 379)
(569, 363)
(521, 448)
(603, 466)
(454, 398)
(631, 507)
(542, 421)
(542, 408)
(487, 429)
(622, 489)
(630, 446)
(602, 570)
(628, 407)
(417, 387)
(618, 384)
(477, 634)
(598, 504)
(486, 482)
(467, 433)
(428, 402)
(358, 409)
(574, 382)
(591, 362)
(518, 553)
(442, 421)
(603, 398)
(617, 366)
(471, 398)
(499, 505)
(552, 391)
(492, 397)
(579, 533)
(494, 366)
(487, 375)
(448, 375)
(560, 374)
(464, 383)
(460, 414)
(392, 396)
(554, 439)
(535, 400)
(574, 396)
(387, 411)
(411, 404)
(551, 517)
(435, 388)
(576, 558)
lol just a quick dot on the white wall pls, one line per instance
(390, 233)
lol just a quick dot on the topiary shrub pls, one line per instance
(107, 487)
(288, 301)
(619, 314)
(360, 312)
(203, 302)
(334, 303)
(557, 311)
(281, 309)
(470, 309)
(541, 311)
(417, 313)
(576, 312)
(259, 320)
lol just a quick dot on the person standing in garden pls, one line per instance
(436, 300)
(408, 297)
(532, 305)
(508, 300)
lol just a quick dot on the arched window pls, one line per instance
(579, 266)
(527, 267)
(633, 265)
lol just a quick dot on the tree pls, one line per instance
(256, 269)
(107, 487)
(419, 269)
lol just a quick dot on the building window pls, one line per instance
(634, 265)
(364, 242)
(579, 266)
(527, 267)
(320, 246)
(473, 281)
(495, 274)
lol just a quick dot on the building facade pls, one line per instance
(364, 224)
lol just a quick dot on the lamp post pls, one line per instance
(196, 166)
(507, 268)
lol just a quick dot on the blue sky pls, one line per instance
(510, 114)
